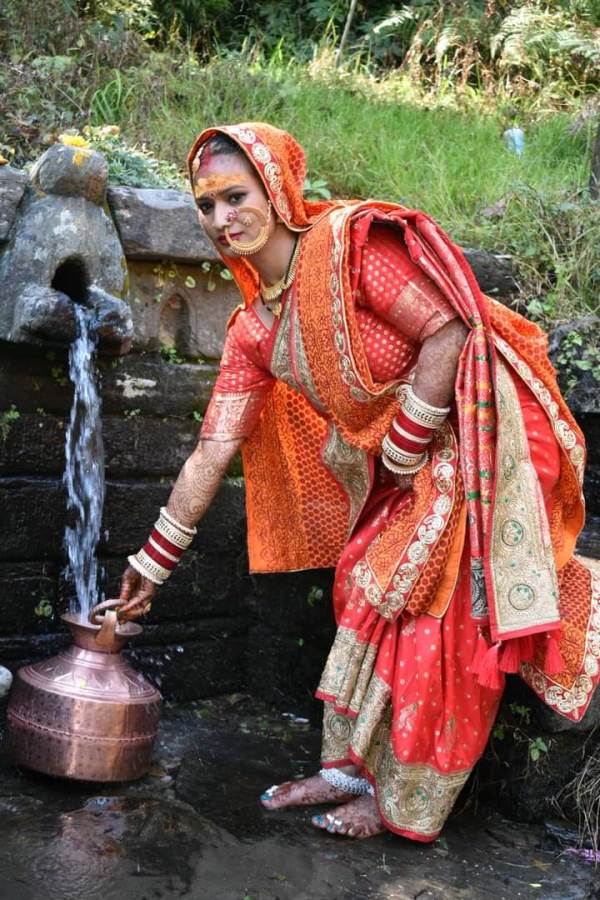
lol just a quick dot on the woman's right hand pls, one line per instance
(137, 593)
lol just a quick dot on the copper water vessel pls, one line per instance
(85, 713)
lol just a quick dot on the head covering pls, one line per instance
(280, 163)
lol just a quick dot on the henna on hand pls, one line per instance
(194, 489)
(199, 480)
(435, 373)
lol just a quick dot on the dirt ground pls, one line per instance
(193, 828)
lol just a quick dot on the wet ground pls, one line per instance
(193, 828)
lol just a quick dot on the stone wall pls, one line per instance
(213, 629)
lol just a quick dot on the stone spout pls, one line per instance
(62, 250)
(45, 315)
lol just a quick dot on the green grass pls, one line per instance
(377, 139)
(452, 163)
(391, 139)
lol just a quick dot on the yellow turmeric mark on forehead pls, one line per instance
(216, 184)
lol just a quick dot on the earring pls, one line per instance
(245, 214)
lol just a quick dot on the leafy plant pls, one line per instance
(515, 726)
(7, 420)
(316, 189)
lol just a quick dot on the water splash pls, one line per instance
(84, 473)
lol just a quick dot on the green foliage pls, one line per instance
(108, 102)
(577, 355)
(314, 595)
(515, 724)
(131, 164)
(7, 420)
(316, 189)
(44, 609)
(171, 355)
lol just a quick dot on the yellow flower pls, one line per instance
(73, 140)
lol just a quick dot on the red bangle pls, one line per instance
(408, 435)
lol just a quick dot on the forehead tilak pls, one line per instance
(216, 184)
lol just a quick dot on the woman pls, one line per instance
(398, 424)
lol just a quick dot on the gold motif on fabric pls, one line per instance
(337, 732)
(374, 713)
(427, 533)
(281, 363)
(301, 362)
(564, 433)
(348, 670)
(230, 416)
(267, 163)
(523, 570)
(350, 467)
(572, 701)
(412, 796)
(338, 311)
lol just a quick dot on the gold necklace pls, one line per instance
(272, 293)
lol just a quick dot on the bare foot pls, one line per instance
(304, 792)
(358, 819)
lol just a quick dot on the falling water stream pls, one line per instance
(84, 472)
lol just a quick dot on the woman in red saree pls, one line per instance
(399, 425)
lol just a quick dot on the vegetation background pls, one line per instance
(414, 109)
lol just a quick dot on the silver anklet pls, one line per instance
(350, 784)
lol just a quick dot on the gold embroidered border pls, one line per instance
(350, 467)
(572, 701)
(348, 670)
(412, 796)
(337, 733)
(413, 558)
(303, 372)
(268, 165)
(564, 433)
(281, 363)
(372, 716)
(523, 570)
(230, 416)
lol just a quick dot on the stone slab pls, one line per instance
(588, 542)
(591, 489)
(12, 187)
(136, 384)
(33, 445)
(204, 584)
(293, 633)
(180, 306)
(33, 516)
(147, 385)
(495, 272)
(157, 223)
(131, 508)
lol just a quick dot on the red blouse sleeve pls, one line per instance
(396, 290)
(242, 386)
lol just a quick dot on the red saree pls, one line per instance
(441, 590)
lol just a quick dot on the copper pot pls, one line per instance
(85, 713)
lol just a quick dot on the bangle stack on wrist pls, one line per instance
(163, 549)
(405, 446)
